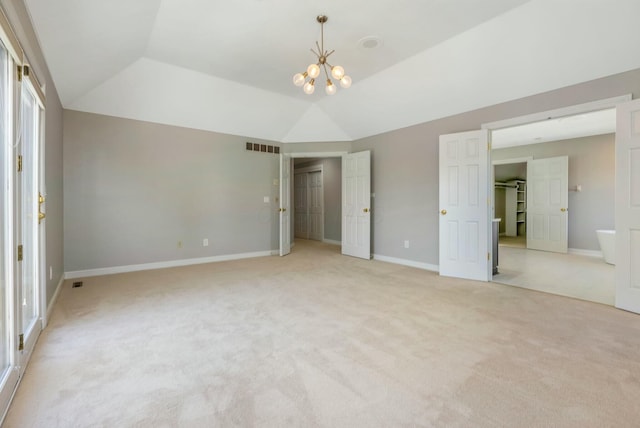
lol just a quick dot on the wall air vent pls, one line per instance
(256, 147)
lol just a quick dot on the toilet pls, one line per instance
(607, 240)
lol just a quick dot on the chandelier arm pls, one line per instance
(324, 66)
(322, 56)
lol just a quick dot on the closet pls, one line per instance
(309, 206)
(515, 207)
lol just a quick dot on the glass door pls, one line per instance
(27, 185)
(8, 328)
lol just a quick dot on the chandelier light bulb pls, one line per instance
(337, 72)
(298, 79)
(309, 87)
(313, 71)
(331, 88)
(345, 82)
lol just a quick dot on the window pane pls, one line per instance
(29, 213)
(5, 145)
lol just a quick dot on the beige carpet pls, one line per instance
(317, 339)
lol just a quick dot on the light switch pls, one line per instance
(266, 199)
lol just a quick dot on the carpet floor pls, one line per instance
(316, 339)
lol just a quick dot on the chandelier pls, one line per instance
(313, 71)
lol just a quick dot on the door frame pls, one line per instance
(572, 110)
(320, 155)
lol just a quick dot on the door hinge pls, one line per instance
(23, 71)
(488, 256)
(21, 342)
(19, 163)
(489, 145)
(19, 253)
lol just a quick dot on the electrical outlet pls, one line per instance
(266, 199)
(406, 243)
(205, 242)
(179, 244)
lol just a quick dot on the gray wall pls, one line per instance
(500, 197)
(332, 198)
(134, 189)
(332, 187)
(405, 165)
(19, 19)
(592, 165)
(120, 173)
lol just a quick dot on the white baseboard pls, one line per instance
(588, 253)
(54, 298)
(332, 242)
(404, 262)
(162, 265)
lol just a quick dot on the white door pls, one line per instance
(356, 205)
(27, 233)
(464, 205)
(300, 198)
(627, 253)
(547, 204)
(316, 206)
(285, 202)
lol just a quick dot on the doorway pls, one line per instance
(317, 199)
(580, 272)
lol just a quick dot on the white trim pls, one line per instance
(332, 242)
(10, 41)
(162, 265)
(510, 161)
(54, 298)
(404, 262)
(560, 112)
(588, 253)
(318, 155)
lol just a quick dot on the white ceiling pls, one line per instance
(226, 66)
(563, 128)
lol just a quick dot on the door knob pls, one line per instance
(366, 210)
(564, 209)
(443, 212)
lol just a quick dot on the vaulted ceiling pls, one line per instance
(226, 66)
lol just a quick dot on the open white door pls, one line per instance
(464, 205)
(547, 204)
(627, 254)
(356, 208)
(285, 202)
